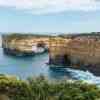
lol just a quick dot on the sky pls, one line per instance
(66, 16)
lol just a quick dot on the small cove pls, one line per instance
(25, 67)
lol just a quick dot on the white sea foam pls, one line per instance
(84, 76)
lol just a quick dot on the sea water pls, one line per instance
(25, 67)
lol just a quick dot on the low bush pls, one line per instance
(41, 89)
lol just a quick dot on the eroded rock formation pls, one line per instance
(77, 51)
(23, 45)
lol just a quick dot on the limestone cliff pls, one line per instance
(21, 44)
(76, 51)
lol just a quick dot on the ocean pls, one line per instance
(24, 67)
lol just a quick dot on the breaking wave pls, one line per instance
(84, 76)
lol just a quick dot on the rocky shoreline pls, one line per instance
(17, 52)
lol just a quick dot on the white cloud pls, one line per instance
(51, 6)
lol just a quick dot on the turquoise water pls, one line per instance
(36, 65)
(24, 67)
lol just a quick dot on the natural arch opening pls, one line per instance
(41, 44)
(66, 60)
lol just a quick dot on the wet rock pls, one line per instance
(17, 52)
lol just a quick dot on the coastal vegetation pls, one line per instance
(19, 36)
(71, 35)
(41, 88)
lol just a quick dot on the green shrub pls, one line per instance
(15, 89)
(41, 89)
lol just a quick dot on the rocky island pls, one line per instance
(24, 44)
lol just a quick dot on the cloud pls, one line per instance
(51, 6)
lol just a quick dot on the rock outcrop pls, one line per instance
(79, 51)
(22, 45)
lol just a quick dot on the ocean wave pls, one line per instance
(85, 76)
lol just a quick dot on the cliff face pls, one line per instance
(17, 44)
(78, 51)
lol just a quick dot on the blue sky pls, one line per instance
(49, 16)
